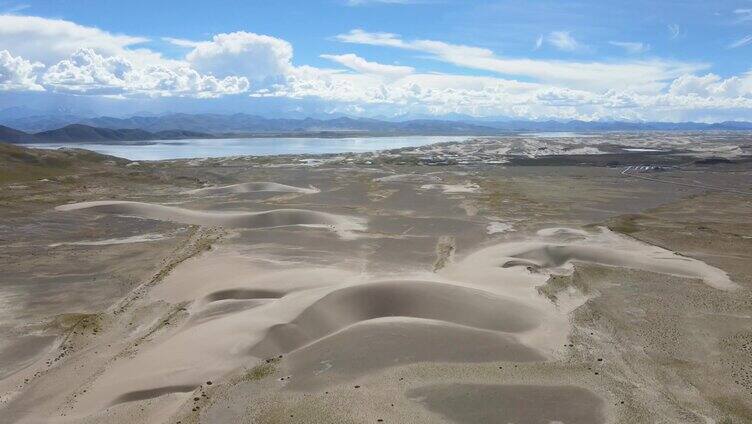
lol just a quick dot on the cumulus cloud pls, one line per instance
(51, 40)
(87, 60)
(631, 46)
(358, 64)
(254, 56)
(711, 85)
(489, 96)
(564, 97)
(642, 76)
(87, 72)
(18, 74)
(62, 56)
(433, 93)
(439, 94)
(185, 82)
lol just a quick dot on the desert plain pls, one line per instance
(598, 279)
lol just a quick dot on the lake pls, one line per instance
(201, 148)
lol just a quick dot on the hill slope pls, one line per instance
(85, 133)
(10, 135)
(23, 164)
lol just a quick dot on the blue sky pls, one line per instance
(638, 60)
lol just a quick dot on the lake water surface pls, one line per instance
(200, 148)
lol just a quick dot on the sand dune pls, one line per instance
(386, 342)
(254, 187)
(550, 256)
(438, 312)
(415, 299)
(230, 219)
(334, 325)
(558, 248)
(233, 326)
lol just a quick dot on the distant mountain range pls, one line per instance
(89, 134)
(35, 129)
(251, 124)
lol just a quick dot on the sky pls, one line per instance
(641, 60)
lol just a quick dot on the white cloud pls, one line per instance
(564, 97)
(363, 93)
(358, 64)
(538, 42)
(87, 60)
(87, 72)
(17, 73)
(185, 82)
(741, 42)
(631, 47)
(674, 31)
(432, 93)
(10, 10)
(359, 36)
(51, 40)
(181, 42)
(641, 76)
(487, 96)
(253, 56)
(67, 57)
(564, 41)
(711, 85)
(743, 14)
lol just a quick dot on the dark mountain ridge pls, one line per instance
(185, 126)
(80, 133)
(243, 123)
(11, 135)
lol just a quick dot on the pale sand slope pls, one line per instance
(309, 312)
(143, 238)
(254, 187)
(231, 219)
(555, 250)
(387, 342)
(481, 308)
